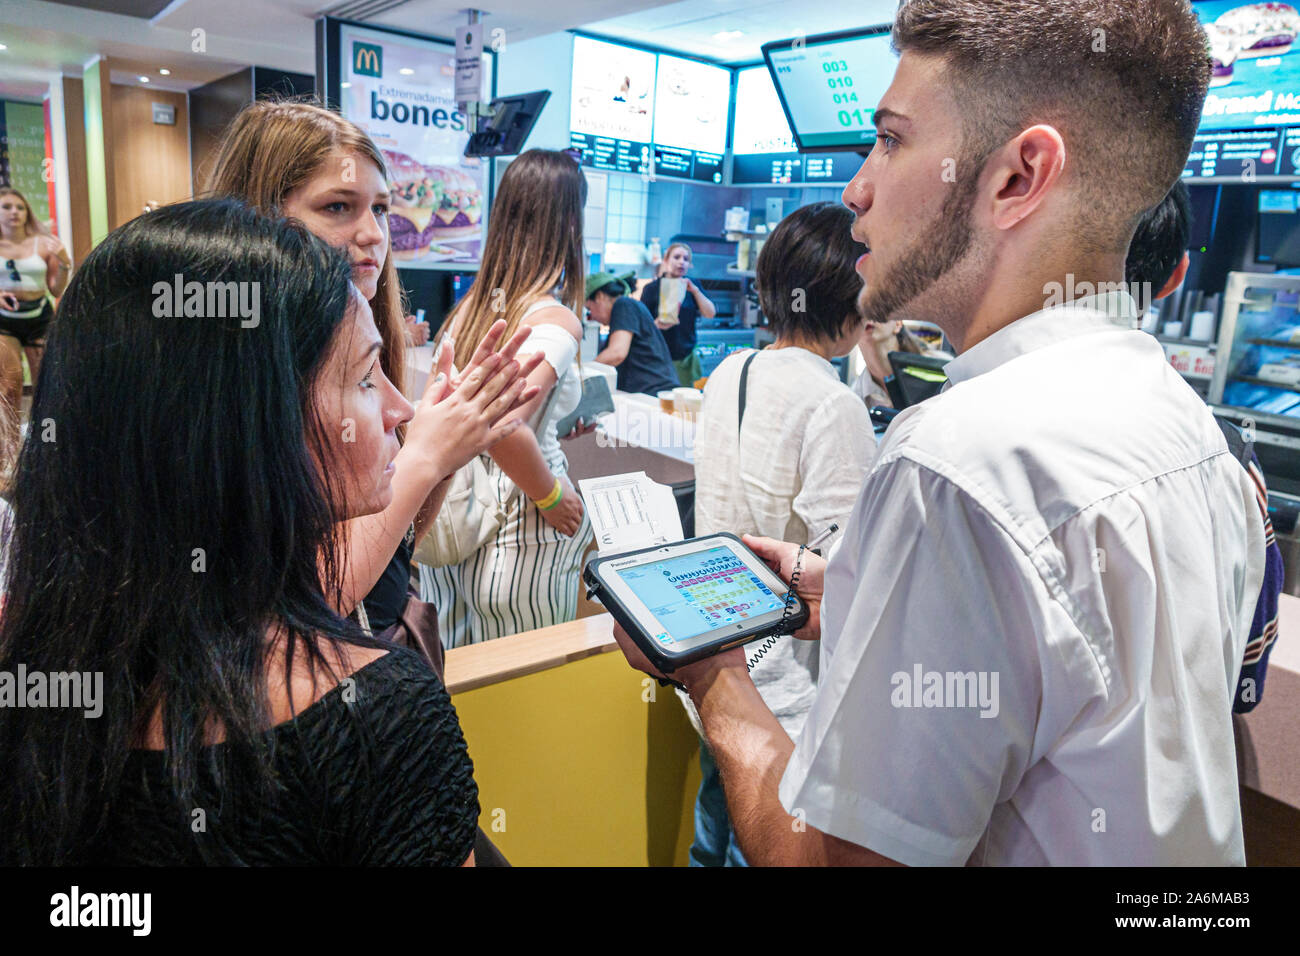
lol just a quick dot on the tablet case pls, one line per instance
(795, 617)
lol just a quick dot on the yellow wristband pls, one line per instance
(553, 499)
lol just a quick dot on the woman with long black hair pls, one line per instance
(175, 552)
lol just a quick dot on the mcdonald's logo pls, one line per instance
(367, 59)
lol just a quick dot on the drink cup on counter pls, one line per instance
(666, 402)
(688, 401)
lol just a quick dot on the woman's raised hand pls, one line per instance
(463, 415)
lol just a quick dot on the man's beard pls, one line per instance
(933, 255)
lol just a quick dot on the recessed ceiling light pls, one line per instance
(144, 79)
(726, 35)
(346, 86)
(3, 47)
(164, 71)
(406, 71)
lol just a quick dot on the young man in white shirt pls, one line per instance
(1032, 625)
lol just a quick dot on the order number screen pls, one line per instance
(695, 593)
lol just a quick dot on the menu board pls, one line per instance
(690, 119)
(763, 147)
(401, 91)
(611, 110)
(830, 85)
(1241, 153)
(1256, 65)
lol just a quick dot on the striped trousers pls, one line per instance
(527, 577)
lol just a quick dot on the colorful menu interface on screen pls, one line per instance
(832, 87)
(690, 121)
(695, 593)
(763, 147)
(611, 112)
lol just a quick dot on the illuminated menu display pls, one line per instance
(1240, 153)
(831, 85)
(763, 147)
(611, 109)
(690, 120)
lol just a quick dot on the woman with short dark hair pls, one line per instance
(176, 551)
(793, 465)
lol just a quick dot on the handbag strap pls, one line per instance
(744, 384)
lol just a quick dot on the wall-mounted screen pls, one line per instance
(1256, 65)
(1278, 236)
(400, 89)
(763, 148)
(690, 119)
(611, 110)
(830, 85)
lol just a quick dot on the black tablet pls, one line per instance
(686, 601)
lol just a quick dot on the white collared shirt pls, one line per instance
(1033, 626)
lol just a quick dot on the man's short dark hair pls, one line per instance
(805, 278)
(1159, 243)
(1124, 82)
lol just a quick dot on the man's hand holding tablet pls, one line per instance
(781, 557)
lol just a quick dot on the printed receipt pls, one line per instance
(630, 511)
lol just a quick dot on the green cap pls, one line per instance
(601, 279)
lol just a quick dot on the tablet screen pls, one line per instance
(701, 591)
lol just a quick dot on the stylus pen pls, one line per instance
(812, 545)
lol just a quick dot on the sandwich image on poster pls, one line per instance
(401, 91)
(1256, 72)
(431, 207)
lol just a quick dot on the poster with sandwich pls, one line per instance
(401, 91)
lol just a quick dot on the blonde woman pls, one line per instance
(34, 272)
(532, 276)
(681, 335)
(299, 160)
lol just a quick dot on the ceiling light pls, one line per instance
(3, 47)
(164, 71)
(406, 71)
(726, 35)
(144, 79)
(345, 85)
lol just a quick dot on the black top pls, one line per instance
(648, 367)
(681, 337)
(373, 773)
(387, 598)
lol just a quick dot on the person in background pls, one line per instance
(417, 332)
(35, 270)
(222, 693)
(531, 276)
(1157, 264)
(300, 160)
(1034, 619)
(783, 464)
(635, 345)
(877, 341)
(681, 335)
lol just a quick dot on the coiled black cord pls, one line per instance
(782, 627)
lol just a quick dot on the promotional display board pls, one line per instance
(1256, 66)
(401, 90)
(611, 110)
(690, 120)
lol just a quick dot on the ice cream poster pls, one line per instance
(401, 91)
(1256, 64)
